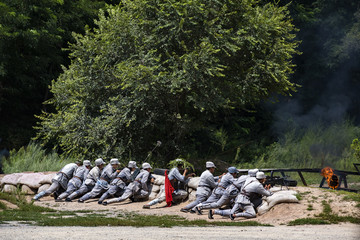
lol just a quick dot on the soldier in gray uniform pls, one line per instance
(138, 188)
(206, 184)
(218, 192)
(231, 192)
(77, 180)
(90, 181)
(118, 185)
(60, 180)
(243, 200)
(174, 176)
(102, 185)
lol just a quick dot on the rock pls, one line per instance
(43, 187)
(159, 180)
(27, 190)
(47, 178)
(8, 188)
(11, 179)
(194, 182)
(32, 180)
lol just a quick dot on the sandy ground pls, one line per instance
(340, 231)
(278, 216)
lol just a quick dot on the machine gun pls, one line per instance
(283, 181)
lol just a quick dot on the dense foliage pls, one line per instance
(32, 35)
(163, 70)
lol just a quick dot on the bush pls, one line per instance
(315, 147)
(33, 158)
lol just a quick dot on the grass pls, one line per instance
(34, 158)
(326, 217)
(35, 215)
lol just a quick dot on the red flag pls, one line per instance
(168, 190)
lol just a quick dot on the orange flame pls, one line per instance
(331, 178)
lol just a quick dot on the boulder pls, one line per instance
(32, 180)
(43, 187)
(192, 196)
(8, 188)
(194, 182)
(47, 178)
(11, 179)
(159, 180)
(27, 190)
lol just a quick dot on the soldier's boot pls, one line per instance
(38, 196)
(103, 197)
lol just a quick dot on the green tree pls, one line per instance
(162, 70)
(32, 35)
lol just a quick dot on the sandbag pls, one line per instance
(11, 179)
(43, 187)
(159, 180)
(47, 178)
(153, 195)
(31, 179)
(8, 188)
(27, 190)
(276, 198)
(155, 188)
(194, 182)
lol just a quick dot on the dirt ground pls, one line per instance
(280, 214)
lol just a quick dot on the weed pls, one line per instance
(310, 207)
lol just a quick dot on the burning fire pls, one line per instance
(331, 178)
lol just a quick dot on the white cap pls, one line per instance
(252, 172)
(260, 175)
(114, 161)
(210, 165)
(132, 164)
(99, 161)
(146, 165)
(86, 163)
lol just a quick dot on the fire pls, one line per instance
(331, 178)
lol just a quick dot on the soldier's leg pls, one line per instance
(225, 212)
(157, 200)
(222, 201)
(70, 189)
(53, 187)
(97, 190)
(127, 194)
(81, 191)
(249, 212)
(113, 189)
(213, 198)
(199, 199)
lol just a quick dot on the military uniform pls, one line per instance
(60, 181)
(102, 185)
(89, 183)
(118, 185)
(75, 182)
(138, 189)
(178, 194)
(243, 203)
(206, 184)
(219, 192)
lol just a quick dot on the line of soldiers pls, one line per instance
(240, 195)
(77, 180)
